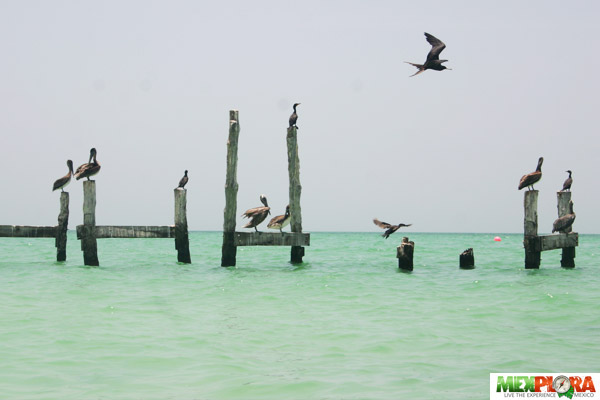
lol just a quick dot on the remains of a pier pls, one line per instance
(535, 244)
(59, 232)
(404, 253)
(231, 239)
(89, 231)
(467, 259)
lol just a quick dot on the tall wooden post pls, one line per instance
(295, 190)
(182, 243)
(404, 253)
(61, 229)
(229, 250)
(568, 253)
(530, 241)
(88, 240)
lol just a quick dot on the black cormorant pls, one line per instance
(390, 228)
(568, 182)
(184, 180)
(294, 117)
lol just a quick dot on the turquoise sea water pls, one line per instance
(346, 324)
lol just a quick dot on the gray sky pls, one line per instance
(150, 85)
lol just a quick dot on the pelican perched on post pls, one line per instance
(533, 177)
(280, 221)
(568, 182)
(294, 117)
(257, 214)
(563, 223)
(390, 228)
(60, 183)
(91, 168)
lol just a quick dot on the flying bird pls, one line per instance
(60, 183)
(294, 117)
(91, 168)
(257, 214)
(390, 228)
(565, 222)
(533, 177)
(568, 182)
(433, 58)
(183, 181)
(280, 221)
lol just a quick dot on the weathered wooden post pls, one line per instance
(404, 253)
(467, 259)
(229, 250)
(88, 239)
(182, 243)
(568, 253)
(531, 242)
(61, 229)
(295, 190)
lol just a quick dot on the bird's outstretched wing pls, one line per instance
(382, 225)
(254, 211)
(436, 47)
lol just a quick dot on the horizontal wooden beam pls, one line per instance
(132, 232)
(552, 242)
(271, 239)
(27, 231)
(559, 241)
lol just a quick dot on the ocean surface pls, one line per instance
(345, 324)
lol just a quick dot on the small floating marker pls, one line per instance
(497, 239)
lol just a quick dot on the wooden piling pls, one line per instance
(568, 253)
(229, 250)
(61, 229)
(295, 190)
(404, 253)
(530, 240)
(182, 243)
(467, 259)
(88, 239)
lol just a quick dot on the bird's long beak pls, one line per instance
(449, 68)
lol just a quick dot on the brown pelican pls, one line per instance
(433, 58)
(529, 179)
(294, 117)
(183, 180)
(280, 221)
(91, 168)
(258, 214)
(60, 183)
(563, 223)
(568, 182)
(390, 228)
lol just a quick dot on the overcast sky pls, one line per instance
(150, 85)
